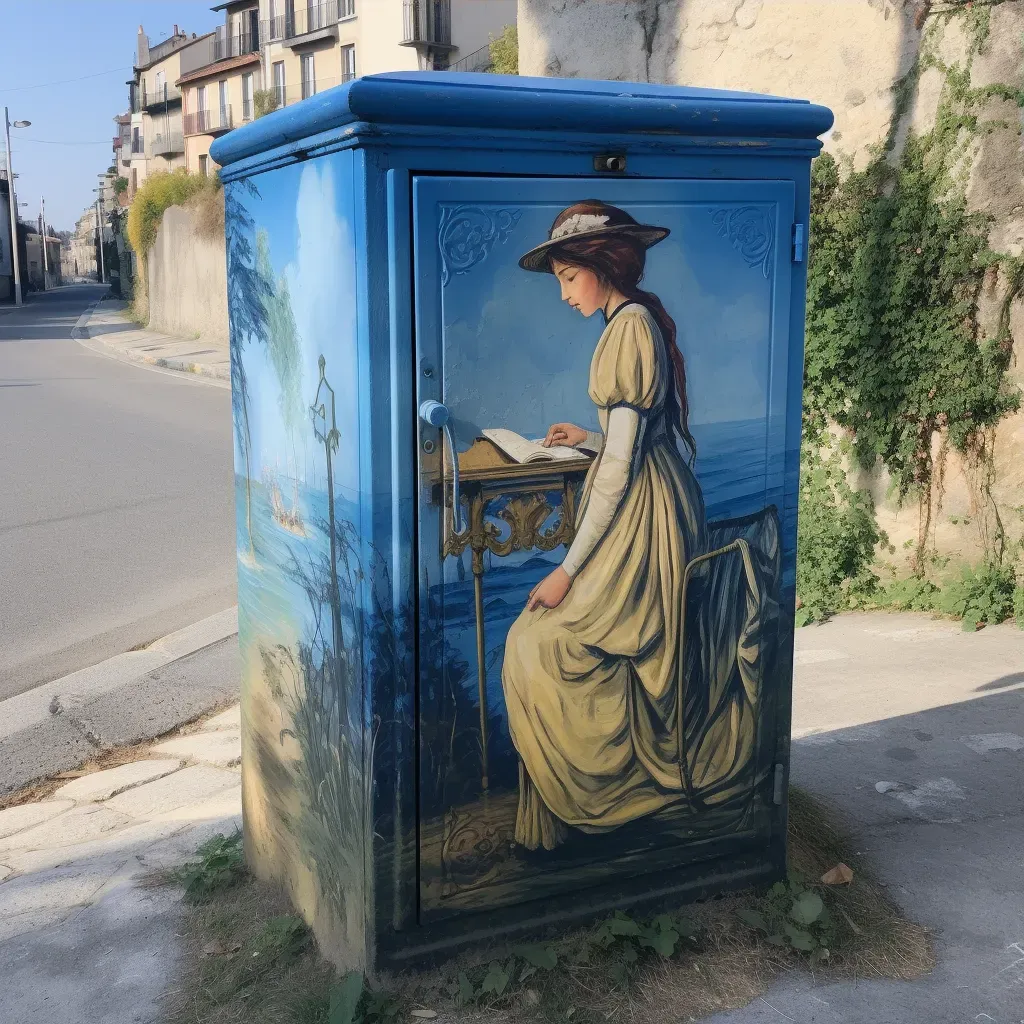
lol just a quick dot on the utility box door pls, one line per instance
(630, 730)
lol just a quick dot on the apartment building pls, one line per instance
(272, 53)
(311, 46)
(220, 78)
(157, 136)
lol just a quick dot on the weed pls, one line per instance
(221, 864)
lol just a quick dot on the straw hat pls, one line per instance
(589, 219)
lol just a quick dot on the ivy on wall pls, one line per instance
(896, 354)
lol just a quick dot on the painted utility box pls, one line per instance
(516, 381)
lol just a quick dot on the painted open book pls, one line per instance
(523, 450)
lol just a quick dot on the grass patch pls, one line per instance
(248, 959)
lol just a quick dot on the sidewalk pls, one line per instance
(82, 940)
(914, 731)
(106, 328)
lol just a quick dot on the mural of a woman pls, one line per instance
(592, 672)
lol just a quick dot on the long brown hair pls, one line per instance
(619, 261)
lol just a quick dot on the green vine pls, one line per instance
(896, 354)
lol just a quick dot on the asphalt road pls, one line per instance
(116, 503)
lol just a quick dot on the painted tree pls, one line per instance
(282, 345)
(247, 320)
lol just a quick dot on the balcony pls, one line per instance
(168, 145)
(237, 45)
(166, 96)
(209, 122)
(307, 22)
(427, 24)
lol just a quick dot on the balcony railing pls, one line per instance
(478, 60)
(167, 95)
(237, 45)
(287, 96)
(305, 18)
(209, 122)
(427, 23)
(169, 144)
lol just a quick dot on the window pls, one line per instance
(225, 110)
(308, 79)
(348, 63)
(136, 140)
(247, 97)
(161, 85)
(346, 8)
(202, 114)
(204, 165)
(279, 82)
(135, 180)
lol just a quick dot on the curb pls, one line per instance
(83, 333)
(130, 698)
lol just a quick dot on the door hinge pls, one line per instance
(799, 242)
(780, 778)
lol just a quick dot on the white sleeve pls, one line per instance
(593, 441)
(610, 482)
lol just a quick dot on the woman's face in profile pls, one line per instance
(581, 288)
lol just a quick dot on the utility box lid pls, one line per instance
(513, 103)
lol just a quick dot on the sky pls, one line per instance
(46, 43)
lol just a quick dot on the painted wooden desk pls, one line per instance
(488, 475)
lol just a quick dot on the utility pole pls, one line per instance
(46, 260)
(99, 236)
(14, 203)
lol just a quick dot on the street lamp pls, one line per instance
(99, 235)
(8, 124)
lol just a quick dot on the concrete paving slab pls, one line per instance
(224, 806)
(107, 964)
(230, 719)
(5, 871)
(103, 785)
(132, 841)
(188, 786)
(58, 889)
(78, 825)
(221, 748)
(18, 819)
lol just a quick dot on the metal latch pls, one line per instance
(780, 779)
(799, 242)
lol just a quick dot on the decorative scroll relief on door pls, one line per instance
(750, 230)
(467, 234)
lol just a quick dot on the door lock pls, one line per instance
(437, 415)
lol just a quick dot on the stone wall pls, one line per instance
(850, 55)
(187, 276)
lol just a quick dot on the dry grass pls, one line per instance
(725, 966)
(208, 213)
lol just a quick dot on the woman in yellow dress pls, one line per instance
(591, 672)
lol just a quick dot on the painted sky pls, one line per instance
(304, 210)
(517, 356)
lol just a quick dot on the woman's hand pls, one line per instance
(551, 590)
(564, 433)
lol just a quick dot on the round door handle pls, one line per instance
(434, 413)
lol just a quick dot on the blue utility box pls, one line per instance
(516, 382)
